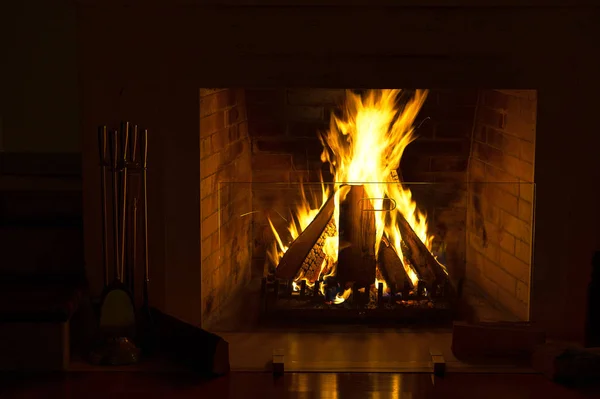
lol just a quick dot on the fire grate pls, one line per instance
(283, 300)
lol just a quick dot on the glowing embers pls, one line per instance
(330, 301)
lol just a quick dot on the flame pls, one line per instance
(302, 216)
(364, 145)
(340, 298)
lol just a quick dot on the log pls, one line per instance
(311, 267)
(391, 266)
(426, 266)
(356, 260)
(300, 248)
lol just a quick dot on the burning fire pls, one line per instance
(364, 146)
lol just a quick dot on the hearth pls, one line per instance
(367, 205)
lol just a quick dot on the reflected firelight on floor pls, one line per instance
(329, 385)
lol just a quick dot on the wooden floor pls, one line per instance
(298, 385)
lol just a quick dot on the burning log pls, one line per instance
(357, 234)
(311, 267)
(427, 267)
(391, 267)
(301, 248)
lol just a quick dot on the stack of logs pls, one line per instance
(356, 257)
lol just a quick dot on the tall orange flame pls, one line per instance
(364, 146)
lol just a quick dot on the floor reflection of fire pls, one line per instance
(362, 242)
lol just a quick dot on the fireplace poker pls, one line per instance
(147, 323)
(144, 156)
(134, 144)
(131, 271)
(114, 154)
(134, 249)
(124, 196)
(102, 144)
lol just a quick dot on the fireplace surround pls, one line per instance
(472, 156)
(185, 47)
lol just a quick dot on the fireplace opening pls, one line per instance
(353, 205)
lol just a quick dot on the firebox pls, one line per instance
(353, 205)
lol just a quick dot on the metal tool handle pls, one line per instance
(102, 144)
(144, 154)
(125, 141)
(372, 200)
(144, 143)
(124, 196)
(102, 147)
(134, 249)
(134, 144)
(114, 155)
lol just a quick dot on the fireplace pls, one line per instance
(188, 47)
(435, 186)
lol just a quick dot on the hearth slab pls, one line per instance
(389, 351)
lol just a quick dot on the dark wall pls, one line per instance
(40, 153)
(39, 110)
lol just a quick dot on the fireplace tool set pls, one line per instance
(123, 156)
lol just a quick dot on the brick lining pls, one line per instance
(270, 135)
(500, 232)
(224, 158)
